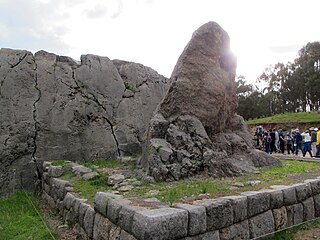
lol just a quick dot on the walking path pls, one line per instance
(307, 158)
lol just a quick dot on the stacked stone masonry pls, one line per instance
(248, 216)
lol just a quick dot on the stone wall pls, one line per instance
(53, 107)
(247, 216)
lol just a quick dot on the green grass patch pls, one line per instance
(289, 173)
(19, 220)
(103, 164)
(300, 117)
(88, 189)
(290, 234)
(61, 163)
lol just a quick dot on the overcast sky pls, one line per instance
(155, 32)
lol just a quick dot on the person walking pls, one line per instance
(307, 143)
(298, 141)
(289, 141)
(281, 140)
(318, 143)
(313, 140)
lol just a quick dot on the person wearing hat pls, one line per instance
(318, 143)
(313, 134)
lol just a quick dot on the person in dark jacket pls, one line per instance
(298, 142)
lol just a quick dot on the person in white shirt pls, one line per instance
(307, 143)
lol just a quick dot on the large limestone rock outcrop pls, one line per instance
(17, 126)
(53, 107)
(195, 128)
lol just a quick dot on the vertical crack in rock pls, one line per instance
(92, 97)
(34, 115)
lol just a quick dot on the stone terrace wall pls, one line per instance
(250, 215)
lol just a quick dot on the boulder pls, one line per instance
(195, 128)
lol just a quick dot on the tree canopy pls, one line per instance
(290, 87)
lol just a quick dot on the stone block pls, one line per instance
(49, 200)
(289, 196)
(276, 199)
(303, 191)
(261, 224)
(161, 224)
(280, 218)
(46, 178)
(126, 236)
(101, 227)
(214, 235)
(46, 187)
(237, 231)
(295, 214)
(55, 171)
(90, 175)
(58, 188)
(308, 209)
(315, 185)
(101, 201)
(69, 200)
(82, 211)
(80, 170)
(197, 218)
(126, 215)
(239, 206)
(115, 179)
(219, 213)
(114, 207)
(258, 202)
(316, 200)
(76, 206)
(88, 221)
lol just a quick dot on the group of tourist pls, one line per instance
(279, 141)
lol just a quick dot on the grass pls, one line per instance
(61, 163)
(290, 234)
(102, 164)
(19, 220)
(300, 117)
(291, 172)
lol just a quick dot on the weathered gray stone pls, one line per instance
(276, 199)
(17, 98)
(80, 232)
(303, 191)
(101, 201)
(69, 200)
(49, 200)
(214, 235)
(55, 171)
(88, 221)
(126, 215)
(160, 224)
(289, 196)
(126, 236)
(219, 213)
(80, 170)
(240, 207)
(261, 224)
(90, 175)
(101, 227)
(115, 179)
(58, 188)
(280, 218)
(197, 221)
(258, 202)
(308, 209)
(83, 207)
(316, 200)
(114, 207)
(315, 185)
(295, 214)
(237, 231)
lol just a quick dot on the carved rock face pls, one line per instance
(196, 129)
(203, 80)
